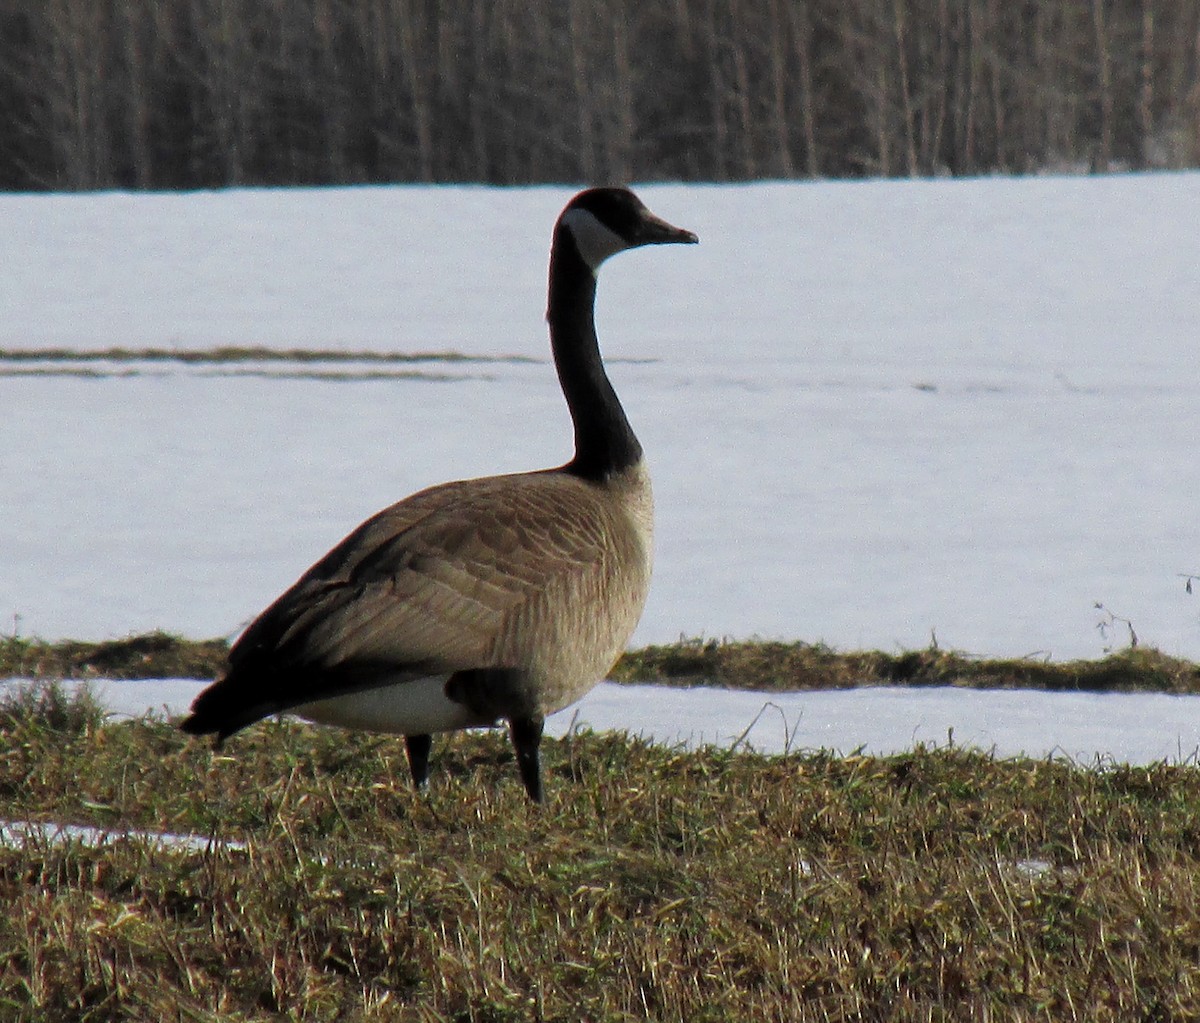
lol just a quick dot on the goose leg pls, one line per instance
(526, 737)
(417, 747)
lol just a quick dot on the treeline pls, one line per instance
(201, 93)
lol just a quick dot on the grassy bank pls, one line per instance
(754, 664)
(655, 884)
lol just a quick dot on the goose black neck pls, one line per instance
(605, 443)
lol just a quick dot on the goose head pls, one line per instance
(604, 221)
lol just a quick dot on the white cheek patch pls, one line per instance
(594, 241)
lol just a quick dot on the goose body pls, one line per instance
(500, 598)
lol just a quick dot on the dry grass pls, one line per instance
(656, 884)
(752, 664)
(240, 354)
(787, 667)
(153, 655)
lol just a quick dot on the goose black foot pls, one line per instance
(417, 747)
(526, 738)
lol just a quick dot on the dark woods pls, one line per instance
(201, 93)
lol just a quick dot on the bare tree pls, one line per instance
(161, 93)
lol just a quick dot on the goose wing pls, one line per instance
(427, 586)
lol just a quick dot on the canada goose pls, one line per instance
(506, 597)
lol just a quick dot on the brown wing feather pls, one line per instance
(443, 581)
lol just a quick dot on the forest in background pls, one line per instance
(158, 94)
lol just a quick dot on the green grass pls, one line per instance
(657, 883)
(753, 664)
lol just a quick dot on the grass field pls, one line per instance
(757, 665)
(660, 884)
